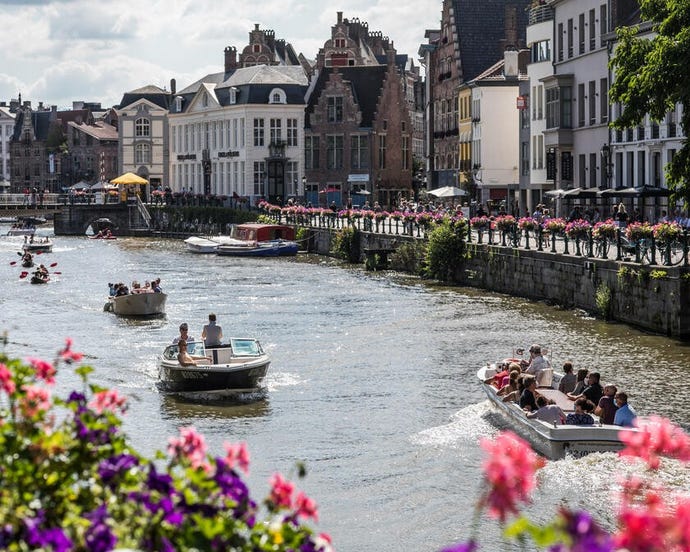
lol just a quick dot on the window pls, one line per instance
(334, 151)
(359, 151)
(311, 152)
(524, 158)
(340, 43)
(592, 30)
(592, 170)
(335, 109)
(259, 177)
(292, 132)
(570, 38)
(552, 107)
(559, 40)
(581, 104)
(406, 153)
(566, 107)
(382, 151)
(540, 151)
(258, 132)
(276, 131)
(256, 48)
(581, 33)
(582, 159)
(233, 95)
(142, 154)
(592, 102)
(541, 51)
(540, 102)
(142, 127)
(603, 23)
(603, 101)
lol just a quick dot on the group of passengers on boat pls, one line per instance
(529, 384)
(119, 289)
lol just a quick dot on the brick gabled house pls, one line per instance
(358, 136)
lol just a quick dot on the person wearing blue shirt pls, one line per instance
(625, 416)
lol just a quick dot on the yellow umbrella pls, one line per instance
(129, 178)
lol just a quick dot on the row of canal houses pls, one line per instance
(533, 127)
(513, 108)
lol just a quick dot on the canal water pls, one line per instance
(372, 383)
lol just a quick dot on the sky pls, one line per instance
(60, 51)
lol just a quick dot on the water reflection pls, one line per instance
(249, 405)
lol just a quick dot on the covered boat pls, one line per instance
(236, 367)
(147, 303)
(198, 244)
(552, 440)
(260, 240)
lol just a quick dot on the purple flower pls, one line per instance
(111, 467)
(76, 397)
(230, 483)
(44, 538)
(469, 546)
(159, 482)
(586, 535)
(99, 537)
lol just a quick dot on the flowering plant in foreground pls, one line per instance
(639, 231)
(649, 518)
(555, 225)
(505, 222)
(577, 229)
(69, 479)
(527, 223)
(667, 231)
(605, 230)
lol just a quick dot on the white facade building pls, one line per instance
(6, 131)
(243, 136)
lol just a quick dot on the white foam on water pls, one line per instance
(466, 425)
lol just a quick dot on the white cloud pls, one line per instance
(96, 51)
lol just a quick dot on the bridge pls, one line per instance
(124, 219)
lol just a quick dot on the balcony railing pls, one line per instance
(539, 14)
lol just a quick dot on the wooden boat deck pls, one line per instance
(558, 397)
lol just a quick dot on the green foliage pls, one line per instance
(445, 252)
(265, 219)
(70, 480)
(658, 274)
(603, 300)
(302, 235)
(651, 77)
(408, 257)
(346, 244)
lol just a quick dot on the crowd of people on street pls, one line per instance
(520, 383)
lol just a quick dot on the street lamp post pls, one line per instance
(606, 163)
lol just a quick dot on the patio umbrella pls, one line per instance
(129, 179)
(555, 193)
(362, 192)
(448, 191)
(653, 191)
(620, 192)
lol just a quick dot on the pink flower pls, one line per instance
(190, 445)
(237, 454)
(108, 400)
(509, 470)
(657, 437)
(69, 356)
(35, 401)
(6, 382)
(44, 370)
(306, 507)
(644, 523)
(281, 491)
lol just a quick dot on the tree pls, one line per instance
(651, 77)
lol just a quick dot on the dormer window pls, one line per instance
(233, 95)
(178, 104)
(204, 100)
(340, 43)
(256, 48)
(277, 96)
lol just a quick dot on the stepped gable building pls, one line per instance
(143, 134)
(359, 132)
(39, 152)
(473, 35)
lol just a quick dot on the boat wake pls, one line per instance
(466, 425)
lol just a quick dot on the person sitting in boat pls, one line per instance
(593, 392)
(537, 363)
(501, 378)
(582, 415)
(42, 270)
(548, 412)
(111, 289)
(184, 358)
(511, 391)
(27, 257)
(184, 334)
(580, 381)
(121, 289)
(625, 416)
(211, 332)
(528, 398)
(568, 381)
(156, 286)
(607, 407)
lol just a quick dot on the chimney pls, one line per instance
(340, 17)
(390, 55)
(173, 87)
(510, 64)
(230, 59)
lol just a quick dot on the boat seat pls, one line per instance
(561, 399)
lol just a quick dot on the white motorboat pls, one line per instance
(198, 244)
(236, 367)
(554, 441)
(44, 245)
(145, 303)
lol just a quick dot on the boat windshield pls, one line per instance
(245, 347)
(194, 348)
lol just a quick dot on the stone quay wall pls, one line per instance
(656, 299)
